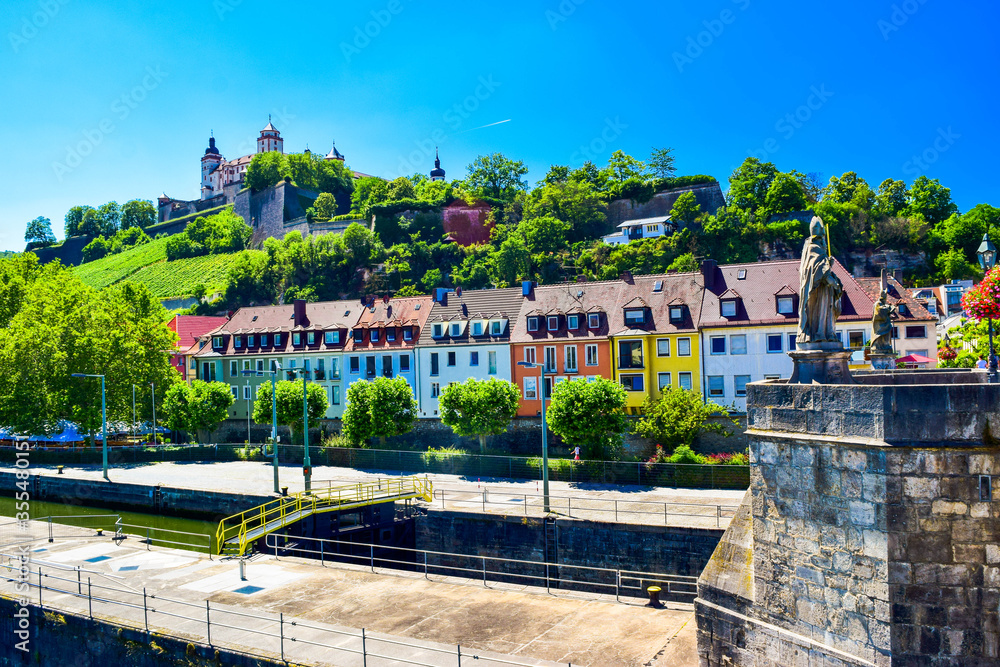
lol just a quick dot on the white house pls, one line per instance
(467, 335)
(634, 230)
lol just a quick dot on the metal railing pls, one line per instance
(574, 578)
(117, 530)
(288, 633)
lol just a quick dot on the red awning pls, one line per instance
(915, 359)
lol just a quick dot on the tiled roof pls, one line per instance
(762, 283)
(474, 305)
(897, 294)
(190, 327)
(402, 312)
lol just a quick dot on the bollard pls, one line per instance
(243, 569)
(90, 600)
(654, 597)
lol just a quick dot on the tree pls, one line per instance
(576, 202)
(686, 209)
(128, 238)
(811, 183)
(289, 403)
(377, 409)
(401, 188)
(90, 224)
(197, 408)
(265, 170)
(931, 200)
(850, 189)
(96, 249)
(891, 198)
(368, 192)
(510, 263)
(662, 163)
(589, 415)
(325, 205)
(784, 195)
(952, 265)
(748, 185)
(74, 220)
(109, 218)
(496, 176)
(678, 416)
(544, 234)
(38, 233)
(479, 407)
(623, 167)
(138, 213)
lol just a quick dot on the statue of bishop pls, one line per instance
(819, 294)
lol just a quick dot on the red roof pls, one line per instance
(189, 327)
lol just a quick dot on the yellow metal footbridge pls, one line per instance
(237, 532)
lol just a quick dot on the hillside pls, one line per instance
(148, 264)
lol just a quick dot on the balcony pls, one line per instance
(630, 362)
(320, 375)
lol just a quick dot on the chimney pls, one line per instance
(527, 288)
(299, 311)
(581, 279)
(708, 267)
(885, 280)
(897, 274)
(626, 276)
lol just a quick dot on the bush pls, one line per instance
(96, 249)
(338, 441)
(442, 454)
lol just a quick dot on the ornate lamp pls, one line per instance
(987, 259)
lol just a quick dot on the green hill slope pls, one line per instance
(148, 264)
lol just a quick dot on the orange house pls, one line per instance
(565, 328)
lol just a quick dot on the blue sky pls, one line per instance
(107, 101)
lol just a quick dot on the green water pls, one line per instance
(158, 525)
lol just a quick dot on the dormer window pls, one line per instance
(456, 330)
(407, 333)
(238, 341)
(902, 309)
(296, 338)
(676, 314)
(251, 340)
(786, 305)
(438, 331)
(277, 339)
(553, 322)
(359, 335)
(477, 328)
(729, 308)
(332, 337)
(311, 338)
(594, 320)
(635, 316)
(533, 324)
(390, 334)
(573, 322)
(374, 335)
(496, 327)
(217, 342)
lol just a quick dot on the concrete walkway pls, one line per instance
(700, 508)
(405, 616)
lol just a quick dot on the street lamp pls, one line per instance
(545, 437)
(987, 259)
(306, 463)
(104, 415)
(152, 395)
(274, 419)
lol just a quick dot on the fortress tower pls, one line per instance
(270, 139)
(210, 162)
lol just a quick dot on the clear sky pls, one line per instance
(105, 101)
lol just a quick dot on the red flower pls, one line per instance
(983, 300)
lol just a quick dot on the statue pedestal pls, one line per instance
(882, 360)
(821, 366)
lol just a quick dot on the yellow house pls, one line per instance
(654, 335)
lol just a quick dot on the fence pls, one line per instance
(576, 578)
(279, 636)
(467, 465)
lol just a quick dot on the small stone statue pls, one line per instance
(882, 324)
(820, 293)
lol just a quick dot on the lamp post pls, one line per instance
(987, 259)
(274, 420)
(104, 415)
(545, 437)
(152, 395)
(248, 411)
(306, 463)
(133, 413)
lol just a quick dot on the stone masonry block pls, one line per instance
(949, 508)
(921, 487)
(862, 513)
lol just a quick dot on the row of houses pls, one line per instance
(713, 331)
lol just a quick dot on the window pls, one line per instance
(496, 327)
(374, 335)
(840, 336)
(569, 353)
(741, 274)
(390, 334)
(238, 342)
(234, 369)
(594, 320)
(895, 332)
(335, 394)
(772, 377)
(335, 368)
(246, 392)
(387, 365)
(435, 370)
(246, 364)
(235, 391)
(683, 347)
(404, 363)
(492, 356)
(477, 328)
(856, 339)
(277, 339)
(791, 342)
(456, 330)
(531, 389)
(194, 363)
(591, 355)
(740, 382)
(663, 381)
(738, 344)
(296, 338)
(663, 347)
(550, 360)
(716, 386)
(922, 353)
(263, 340)
(435, 389)
(573, 322)
(355, 365)
(553, 322)
(532, 324)
(217, 342)
(332, 337)
(359, 335)
(473, 358)
(547, 388)
(311, 338)
(902, 309)
(630, 354)
(916, 332)
(451, 358)
(774, 343)
(729, 308)
(676, 314)
(786, 305)
(438, 330)
(718, 344)
(632, 382)
(636, 316)
(407, 333)
(529, 355)
(251, 340)
(370, 365)
(684, 381)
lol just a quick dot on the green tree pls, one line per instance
(811, 184)
(749, 184)
(952, 265)
(576, 202)
(930, 200)
(623, 167)
(197, 408)
(510, 263)
(289, 404)
(662, 163)
(497, 176)
(368, 192)
(544, 234)
(479, 408)
(378, 409)
(128, 238)
(401, 188)
(431, 279)
(678, 416)
(850, 189)
(325, 205)
(891, 198)
(96, 249)
(784, 195)
(265, 170)
(138, 213)
(109, 218)
(38, 233)
(74, 220)
(685, 209)
(590, 415)
(90, 224)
